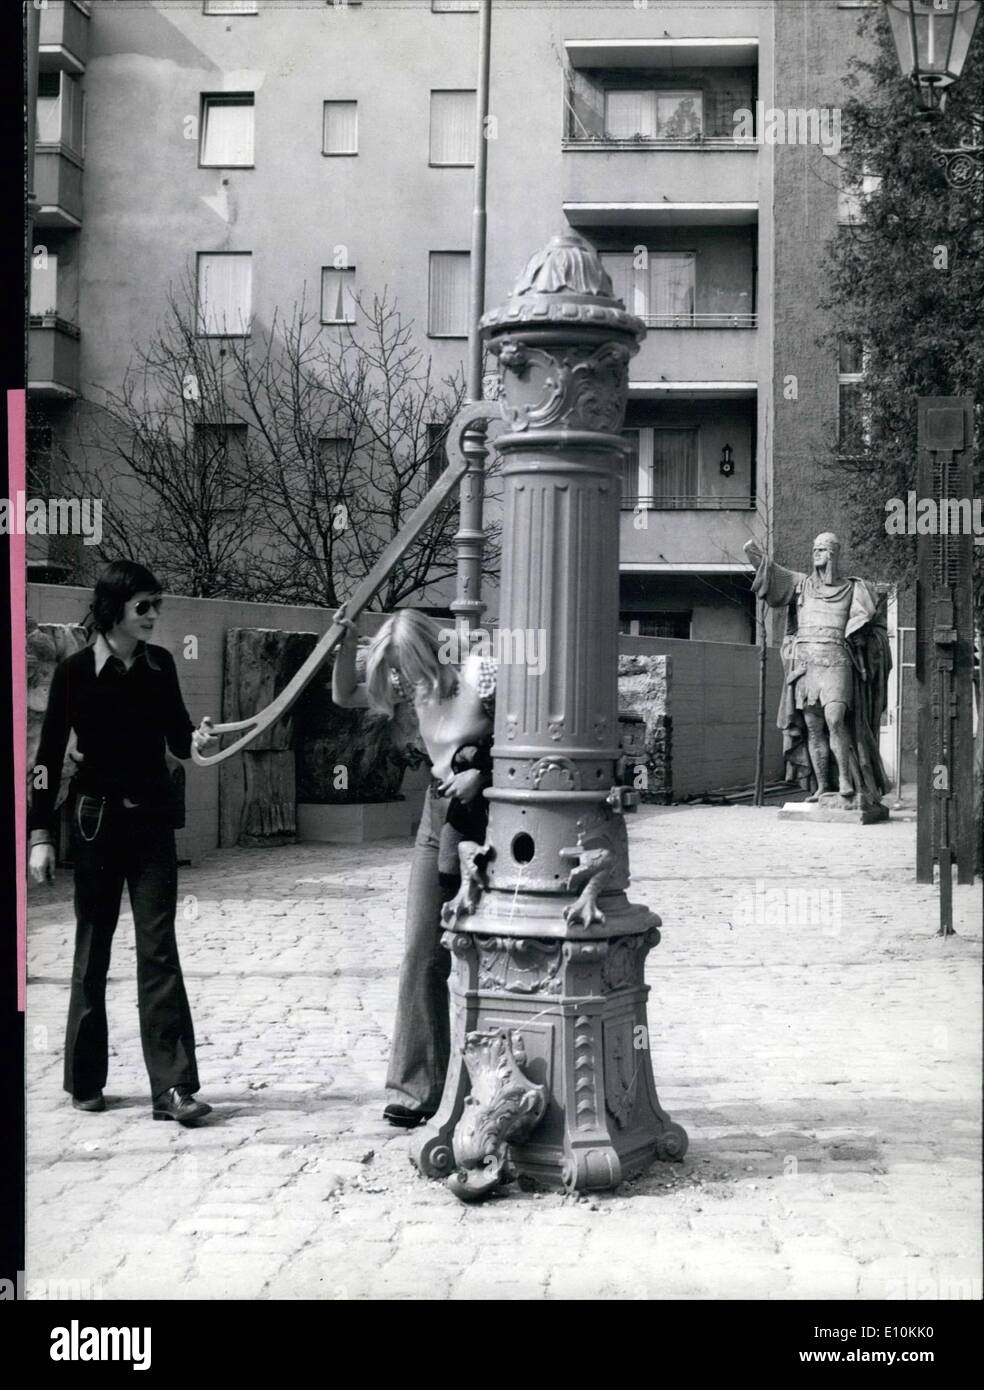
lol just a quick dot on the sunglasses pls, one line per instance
(146, 604)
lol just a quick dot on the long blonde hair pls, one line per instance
(410, 642)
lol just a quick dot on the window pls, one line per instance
(675, 467)
(655, 625)
(852, 199)
(338, 294)
(853, 420)
(448, 294)
(437, 458)
(452, 127)
(44, 285)
(227, 130)
(340, 132)
(60, 114)
(40, 443)
(231, 6)
(662, 471)
(652, 114)
(454, 6)
(225, 293)
(334, 451)
(661, 291)
(220, 453)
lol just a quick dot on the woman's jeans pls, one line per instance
(135, 847)
(422, 1033)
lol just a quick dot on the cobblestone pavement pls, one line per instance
(823, 1054)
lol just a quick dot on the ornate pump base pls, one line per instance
(574, 1012)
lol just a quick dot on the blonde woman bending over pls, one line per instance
(454, 711)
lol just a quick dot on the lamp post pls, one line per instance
(932, 40)
(550, 1074)
(468, 605)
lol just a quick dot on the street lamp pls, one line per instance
(932, 41)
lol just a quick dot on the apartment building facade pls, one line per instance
(268, 149)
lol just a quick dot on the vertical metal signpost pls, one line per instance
(551, 1074)
(468, 605)
(944, 648)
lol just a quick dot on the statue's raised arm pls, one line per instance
(773, 583)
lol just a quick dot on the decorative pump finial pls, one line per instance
(565, 281)
(567, 262)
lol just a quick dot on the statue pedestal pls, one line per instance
(831, 807)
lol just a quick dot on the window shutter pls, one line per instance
(448, 299)
(452, 132)
(225, 294)
(341, 127)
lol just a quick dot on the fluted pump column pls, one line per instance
(551, 1074)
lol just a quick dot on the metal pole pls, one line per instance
(468, 605)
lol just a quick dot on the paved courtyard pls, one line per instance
(818, 1041)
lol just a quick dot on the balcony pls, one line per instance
(647, 178)
(53, 358)
(707, 352)
(703, 537)
(64, 36)
(57, 187)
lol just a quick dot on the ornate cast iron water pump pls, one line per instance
(550, 1034)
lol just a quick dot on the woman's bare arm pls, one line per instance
(346, 688)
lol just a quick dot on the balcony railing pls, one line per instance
(700, 320)
(727, 141)
(666, 502)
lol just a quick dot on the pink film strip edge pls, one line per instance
(18, 672)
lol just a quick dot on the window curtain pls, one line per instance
(629, 281)
(672, 280)
(630, 470)
(341, 127)
(225, 294)
(337, 295)
(44, 286)
(228, 132)
(448, 301)
(631, 113)
(674, 467)
(452, 132)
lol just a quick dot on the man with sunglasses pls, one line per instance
(121, 697)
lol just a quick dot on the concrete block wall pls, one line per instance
(713, 692)
(713, 703)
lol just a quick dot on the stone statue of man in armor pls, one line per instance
(836, 659)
